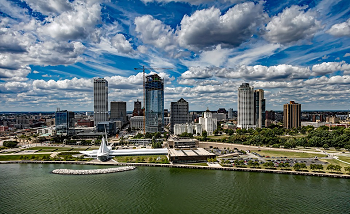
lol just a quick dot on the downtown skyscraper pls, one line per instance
(246, 107)
(260, 108)
(291, 115)
(154, 97)
(100, 100)
(179, 113)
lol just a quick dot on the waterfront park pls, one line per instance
(291, 150)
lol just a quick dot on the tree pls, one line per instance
(269, 164)
(230, 132)
(325, 146)
(10, 144)
(204, 135)
(299, 166)
(337, 168)
(331, 167)
(347, 169)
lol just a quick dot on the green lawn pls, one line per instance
(343, 158)
(17, 157)
(56, 149)
(218, 137)
(287, 154)
(145, 157)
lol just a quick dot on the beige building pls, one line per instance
(291, 115)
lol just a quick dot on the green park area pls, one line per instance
(56, 149)
(287, 154)
(143, 159)
(20, 157)
(344, 158)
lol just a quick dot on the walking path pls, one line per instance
(337, 158)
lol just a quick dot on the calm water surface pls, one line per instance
(31, 188)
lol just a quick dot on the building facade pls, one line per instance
(230, 113)
(137, 109)
(64, 122)
(291, 115)
(208, 123)
(192, 128)
(154, 96)
(100, 100)
(118, 111)
(260, 108)
(246, 107)
(136, 122)
(179, 113)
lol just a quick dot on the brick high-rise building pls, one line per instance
(291, 115)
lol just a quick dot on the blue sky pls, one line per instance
(295, 50)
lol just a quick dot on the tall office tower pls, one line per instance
(246, 110)
(208, 123)
(137, 109)
(179, 113)
(259, 108)
(230, 113)
(291, 115)
(118, 111)
(64, 122)
(100, 100)
(154, 96)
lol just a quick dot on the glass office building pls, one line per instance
(64, 122)
(154, 95)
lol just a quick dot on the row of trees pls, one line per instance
(308, 137)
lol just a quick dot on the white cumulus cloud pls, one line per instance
(341, 29)
(208, 27)
(291, 25)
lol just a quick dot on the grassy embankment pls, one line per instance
(18, 157)
(142, 159)
(287, 154)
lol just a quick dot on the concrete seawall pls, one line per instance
(189, 167)
(92, 171)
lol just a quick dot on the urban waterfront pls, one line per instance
(32, 188)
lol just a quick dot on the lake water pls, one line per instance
(31, 188)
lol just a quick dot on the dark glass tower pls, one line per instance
(154, 95)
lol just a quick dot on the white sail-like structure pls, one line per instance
(104, 153)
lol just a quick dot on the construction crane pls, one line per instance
(144, 90)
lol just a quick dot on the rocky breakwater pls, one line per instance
(92, 171)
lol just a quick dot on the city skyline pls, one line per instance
(293, 50)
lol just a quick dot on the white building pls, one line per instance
(192, 128)
(137, 122)
(245, 110)
(208, 123)
(100, 100)
(47, 130)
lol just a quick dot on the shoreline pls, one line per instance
(317, 174)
